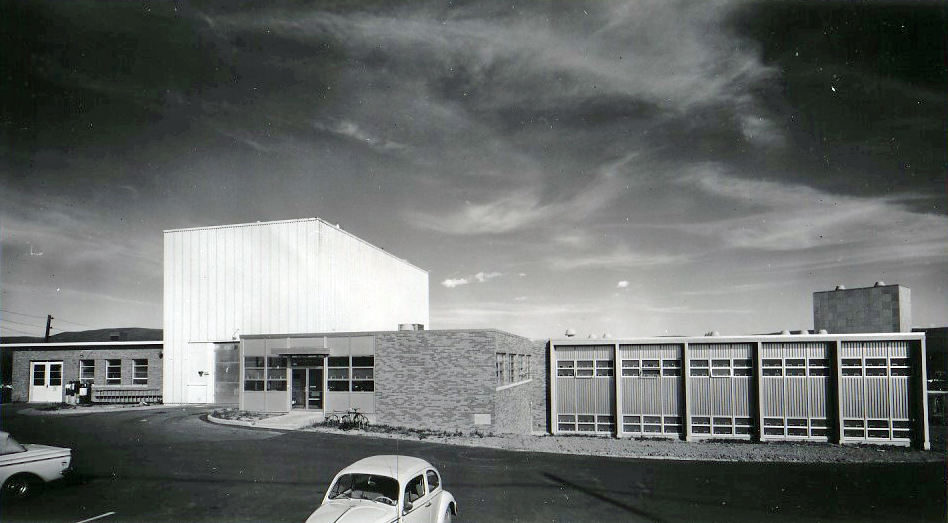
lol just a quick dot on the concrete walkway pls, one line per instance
(289, 421)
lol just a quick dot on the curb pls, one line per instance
(30, 411)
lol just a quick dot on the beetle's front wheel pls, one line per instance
(448, 517)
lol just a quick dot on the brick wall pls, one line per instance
(434, 379)
(70, 356)
(536, 390)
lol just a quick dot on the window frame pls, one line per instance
(85, 365)
(138, 364)
(110, 365)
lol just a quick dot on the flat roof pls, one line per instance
(82, 343)
(792, 338)
(368, 333)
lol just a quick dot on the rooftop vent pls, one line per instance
(823, 331)
(784, 333)
(712, 334)
(570, 333)
(606, 336)
(841, 287)
(880, 284)
(593, 336)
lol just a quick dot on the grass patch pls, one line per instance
(232, 413)
(421, 434)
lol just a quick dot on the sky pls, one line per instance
(631, 168)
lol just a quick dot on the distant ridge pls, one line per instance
(125, 334)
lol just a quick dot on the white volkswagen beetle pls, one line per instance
(386, 489)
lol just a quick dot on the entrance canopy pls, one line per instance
(300, 351)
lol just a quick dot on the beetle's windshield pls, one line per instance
(365, 486)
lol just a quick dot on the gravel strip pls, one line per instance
(779, 452)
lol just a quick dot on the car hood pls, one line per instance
(352, 511)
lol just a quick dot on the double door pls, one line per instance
(307, 388)
(47, 382)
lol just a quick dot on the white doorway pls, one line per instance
(47, 382)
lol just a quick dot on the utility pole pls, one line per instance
(49, 320)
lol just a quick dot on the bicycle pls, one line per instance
(354, 419)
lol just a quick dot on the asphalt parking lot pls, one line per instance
(168, 464)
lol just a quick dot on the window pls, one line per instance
(113, 372)
(584, 368)
(87, 370)
(415, 489)
(276, 373)
(511, 367)
(605, 368)
(254, 367)
(565, 369)
(140, 372)
(651, 368)
(529, 366)
(39, 375)
(338, 376)
(55, 374)
(433, 480)
(501, 375)
(630, 368)
(363, 373)
(699, 368)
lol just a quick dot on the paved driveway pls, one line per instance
(170, 465)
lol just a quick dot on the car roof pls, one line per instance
(402, 468)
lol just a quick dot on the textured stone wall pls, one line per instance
(70, 357)
(885, 308)
(513, 407)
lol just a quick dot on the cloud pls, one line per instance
(455, 282)
(349, 129)
(480, 277)
(622, 285)
(785, 217)
(617, 258)
(523, 208)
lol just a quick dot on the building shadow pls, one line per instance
(594, 494)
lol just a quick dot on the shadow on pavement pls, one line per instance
(597, 495)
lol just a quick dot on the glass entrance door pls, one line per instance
(308, 388)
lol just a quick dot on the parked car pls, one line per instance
(385, 489)
(25, 468)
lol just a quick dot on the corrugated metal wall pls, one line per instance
(845, 388)
(875, 391)
(585, 389)
(794, 389)
(295, 276)
(651, 389)
(720, 390)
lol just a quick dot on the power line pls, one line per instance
(19, 331)
(72, 322)
(21, 323)
(21, 314)
(44, 317)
